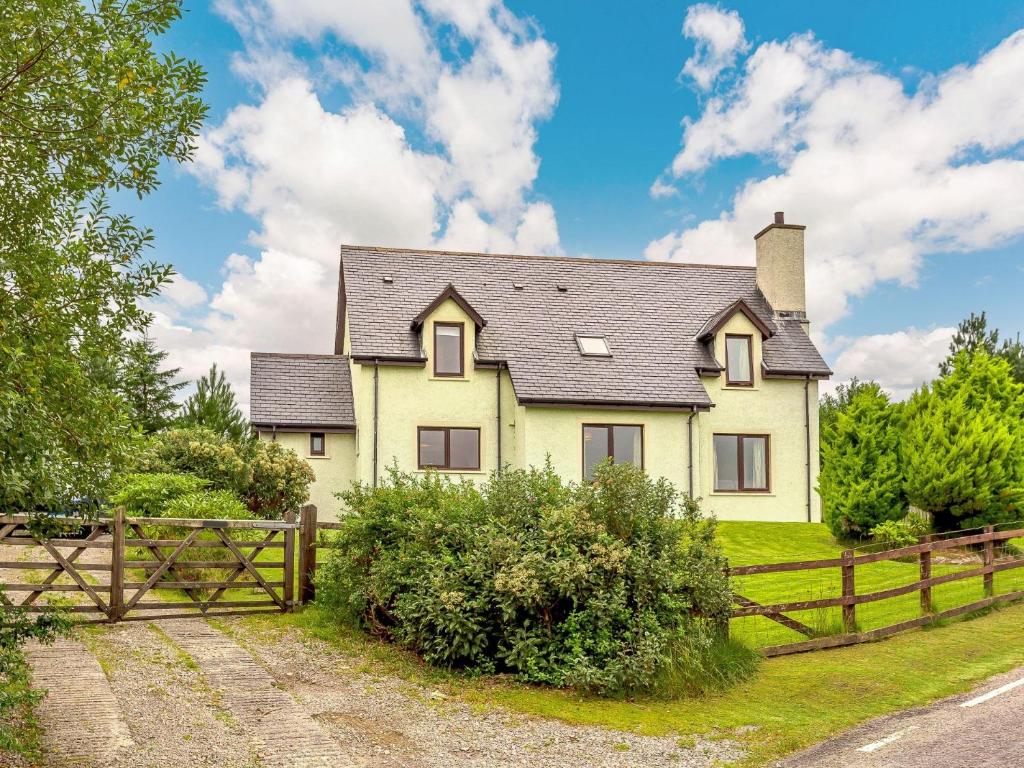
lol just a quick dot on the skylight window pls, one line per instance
(593, 346)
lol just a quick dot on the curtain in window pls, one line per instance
(755, 464)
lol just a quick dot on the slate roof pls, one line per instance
(649, 312)
(300, 391)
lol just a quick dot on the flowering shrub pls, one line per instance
(601, 586)
(269, 478)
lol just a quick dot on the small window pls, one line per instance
(621, 442)
(595, 346)
(451, 448)
(739, 361)
(317, 444)
(741, 463)
(448, 357)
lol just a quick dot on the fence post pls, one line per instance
(307, 554)
(849, 590)
(289, 561)
(116, 608)
(926, 573)
(989, 560)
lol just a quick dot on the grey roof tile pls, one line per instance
(300, 390)
(650, 313)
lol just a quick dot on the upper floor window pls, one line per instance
(595, 346)
(448, 448)
(621, 442)
(448, 358)
(317, 444)
(741, 463)
(739, 360)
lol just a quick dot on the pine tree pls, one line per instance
(861, 482)
(213, 406)
(972, 335)
(147, 389)
(963, 444)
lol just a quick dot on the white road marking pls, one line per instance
(992, 694)
(876, 745)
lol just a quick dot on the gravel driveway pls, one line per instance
(191, 692)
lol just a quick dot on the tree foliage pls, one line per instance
(86, 105)
(269, 478)
(973, 336)
(834, 403)
(213, 406)
(963, 444)
(147, 387)
(861, 479)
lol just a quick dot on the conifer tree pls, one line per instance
(861, 482)
(963, 444)
(147, 389)
(213, 406)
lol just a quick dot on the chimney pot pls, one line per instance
(780, 217)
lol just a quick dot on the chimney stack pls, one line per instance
(780, 267)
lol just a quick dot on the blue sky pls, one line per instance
(594, 105)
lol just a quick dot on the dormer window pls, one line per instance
(739, 360)
(448, 357)
(593, 346)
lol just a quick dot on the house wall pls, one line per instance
(774, 407)
(411, 396)
(558, 433)
(334, 471)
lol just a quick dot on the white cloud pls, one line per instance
(719, 39)
(901, 362)
(433, 145)
(883, 177)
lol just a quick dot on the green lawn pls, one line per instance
(750, 543)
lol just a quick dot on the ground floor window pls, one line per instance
(448, 448)
(741, 463)
(621, 442)
(317, 444)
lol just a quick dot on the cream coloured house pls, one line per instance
(465, 363)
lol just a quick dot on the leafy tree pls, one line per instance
(972, 335)
(149, 390)
(213, 406)
(832, 404)
(861, 482)
(86, 106)
(963, 444)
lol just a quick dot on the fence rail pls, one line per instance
(849, 598)
(115, 586)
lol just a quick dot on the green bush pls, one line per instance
(280, 480)
(208, 505)
(900, 533)
(861, 480)
(269, 478)
(963, 445)
(613, 586)
(146, 494)
(200, 452)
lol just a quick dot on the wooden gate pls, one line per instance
(253, 563)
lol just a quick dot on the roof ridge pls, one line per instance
(537, 257)
(298, 355)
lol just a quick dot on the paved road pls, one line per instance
(981, 729)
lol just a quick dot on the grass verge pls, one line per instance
(19, 730)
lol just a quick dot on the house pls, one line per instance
(468, 362)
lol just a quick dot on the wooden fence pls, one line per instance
(158, 547)
(849, 598)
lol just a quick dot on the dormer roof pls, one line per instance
(449, 292)
(716, 322)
